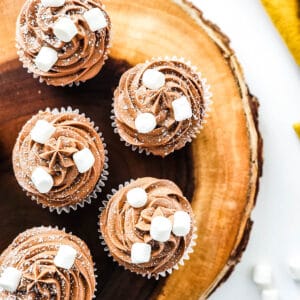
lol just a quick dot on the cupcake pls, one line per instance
(160, 105)
(63, 41)
(47, 263)
(148, 226)
(60, 160)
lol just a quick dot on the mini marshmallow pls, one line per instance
(65, 257)
(95, 19)
(42, 131)
(53, 3)
(160, 229)
(270, 294)
(182, 109)
(84, 160)
(140, 253)
(262, 275)
(137, 197)
(181, 223)
(10, 279)
(46, 59)
(65, 29)
(153, 79)
(42, 180)
(294, 268)
(145, 122)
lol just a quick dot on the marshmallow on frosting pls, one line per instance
(65, 29)
(145, 122)
(42, 180)
(10, 279)
(95, 19)
(182, 109)
(160, 229)
(84, 160)
(42, 131)
(262, 275)
(136, 197)
(181, 223)
(270, 294)
(294, 268)
(153, 79)
(53, 3)
(46, 59)
(65, 257)
(140, 253)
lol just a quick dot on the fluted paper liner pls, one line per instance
(185, 256)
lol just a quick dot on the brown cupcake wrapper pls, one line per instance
(207, 97)
(186, 255)
(103, 177)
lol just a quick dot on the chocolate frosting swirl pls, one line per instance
(33, 252)
(132, 97)
(78, 60)
(122, 225)
(73, 132)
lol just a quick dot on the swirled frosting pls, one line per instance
(122, 225)
(78, 60)
(131, 98)
(73, 132)
(33, 251)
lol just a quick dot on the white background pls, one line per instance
(274, 78)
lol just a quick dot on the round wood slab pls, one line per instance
(219, 172)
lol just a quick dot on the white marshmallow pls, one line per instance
(153, 79)
(294, 267)
(53, 3)
(10, 279)
(137, 197)
(270, 294)
(46, 59)
(182, 109)
(65, 29)
(42, 131)
(181, 223)
(42, 180)
(262, 275)
(84, 160)
(65, 257)
(160, 229)
(95, 19)
(140, 253)
(145, 122)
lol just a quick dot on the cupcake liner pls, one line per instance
(103, 177)
(207, 97)
(186, 255)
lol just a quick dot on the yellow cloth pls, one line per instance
(286, 17)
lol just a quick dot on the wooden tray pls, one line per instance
(219, 171)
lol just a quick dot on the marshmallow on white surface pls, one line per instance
(137, 197)
(294, 268)
(65, 257)
(270, 294)
(140, 253)
(153, 79)
(262, 275)
(182, 109)
(95, 19)
(42, 180)
(160, 229)
(10, 279)
(46, 59)
(65, 29)
(42, 131)
(145, 122)
(181, 223)
(84, 160)
(53, 3)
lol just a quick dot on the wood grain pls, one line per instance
(219, 172)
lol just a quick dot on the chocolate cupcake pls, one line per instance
(63, 41)
(160, 105)
(148, 226)
(47, 263)
(60, 160)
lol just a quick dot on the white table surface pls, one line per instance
(274, 78)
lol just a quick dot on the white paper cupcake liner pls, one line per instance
(207, 98)
(186, 255)
(103, 177)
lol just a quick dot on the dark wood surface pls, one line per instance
(22, 96)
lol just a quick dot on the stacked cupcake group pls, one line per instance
(60, 158)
